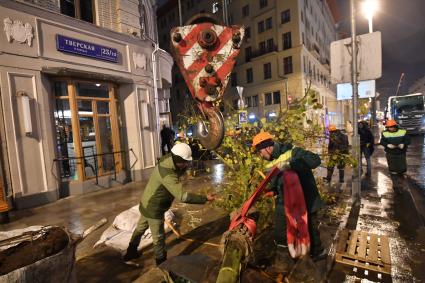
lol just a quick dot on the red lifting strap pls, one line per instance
(240, 217)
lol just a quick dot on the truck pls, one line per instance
(408, 111)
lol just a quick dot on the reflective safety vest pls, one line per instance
(399, 133)
(282, 158)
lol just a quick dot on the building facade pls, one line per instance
(83, 86)
(418, 86)
(286, 51)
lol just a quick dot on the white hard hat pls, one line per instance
(183, 150)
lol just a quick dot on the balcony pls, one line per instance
(260, 52)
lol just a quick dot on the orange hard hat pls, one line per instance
(332, 128)
(260, 137)
(390, 123)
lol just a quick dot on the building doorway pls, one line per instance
(87, 132)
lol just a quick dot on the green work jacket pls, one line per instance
(301, 161)
(163, 187)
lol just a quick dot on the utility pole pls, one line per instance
(180, 13)
(355, 189)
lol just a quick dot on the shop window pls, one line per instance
(87, 134)
(80, 9)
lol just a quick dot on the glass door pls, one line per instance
(92, 117)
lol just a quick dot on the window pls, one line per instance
(270, 45)
(303, 38)
(304, 64)
(268, 99)
(248, 101)
(261, 27)
(269, 23)
(285, 17)
(247, 33)
(287, 65)
(245, 11)
(249, 75)
(287, 42)
(233, 79)
(248, 54)
(80, 9)
(255, 101)
(267, 69)
(143, 20)
(302, 16)
(276, 97)
(263, 3)
(262, 47)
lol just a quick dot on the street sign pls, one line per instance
(369, 58)
(345, 91)
(243, 116)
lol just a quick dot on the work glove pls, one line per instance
(391, 146)
(401, 146)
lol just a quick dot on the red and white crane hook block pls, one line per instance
(206, 54)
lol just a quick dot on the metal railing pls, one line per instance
(68, 165)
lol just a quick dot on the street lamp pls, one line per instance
(369, 8)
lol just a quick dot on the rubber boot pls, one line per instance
(131, 253)
(158, 261)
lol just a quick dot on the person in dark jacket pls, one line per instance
(163, 187)
(367, 143)
(338, 144)
(167, 138)
(302, 162)
(395, 142)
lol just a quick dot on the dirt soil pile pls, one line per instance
(28, 252)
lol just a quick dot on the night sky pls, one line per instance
(402, 24)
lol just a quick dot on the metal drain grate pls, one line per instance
(366, 255)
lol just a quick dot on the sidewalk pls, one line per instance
(383, 212)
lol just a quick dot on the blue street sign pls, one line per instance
(84, 48)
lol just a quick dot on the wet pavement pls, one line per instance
(399, 216)
(381, 211)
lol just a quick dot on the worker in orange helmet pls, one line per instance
(302, 162)
(395, 142)
(338, 144)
